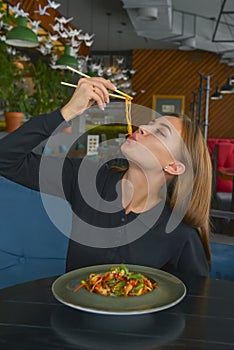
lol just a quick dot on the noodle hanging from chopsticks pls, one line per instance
(128, 104)
(123, 95)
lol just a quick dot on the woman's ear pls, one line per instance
(175, 168)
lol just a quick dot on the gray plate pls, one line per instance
(170, 292)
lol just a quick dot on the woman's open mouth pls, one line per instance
(132, 138)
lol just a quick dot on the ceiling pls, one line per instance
(184, 24)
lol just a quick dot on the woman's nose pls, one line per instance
(143, 129)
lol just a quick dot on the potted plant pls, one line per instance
(14, 94)
(46, 95)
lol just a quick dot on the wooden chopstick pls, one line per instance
(87, 76)
(73, 85)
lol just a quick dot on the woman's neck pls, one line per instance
(140, 190)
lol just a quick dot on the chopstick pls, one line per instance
(87, 76)
(73, 85)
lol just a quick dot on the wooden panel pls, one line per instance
(174, 72)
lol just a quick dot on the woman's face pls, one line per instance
(156, 144)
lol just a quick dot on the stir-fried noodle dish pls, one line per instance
(118, 281)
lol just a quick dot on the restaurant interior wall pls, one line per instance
(174, 72)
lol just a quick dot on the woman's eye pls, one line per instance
(158, 131)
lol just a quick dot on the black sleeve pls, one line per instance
(20, 164)
(193, 258)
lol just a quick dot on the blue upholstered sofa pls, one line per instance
(222, 266)
(32, 246)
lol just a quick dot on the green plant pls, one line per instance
(48, 92)
(14, 95)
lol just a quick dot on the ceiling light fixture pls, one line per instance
(147, 14)
(22, 36)
(217, 94)
(227, 88)
(66, 59)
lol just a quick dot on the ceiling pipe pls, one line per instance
(147, 14)
(188, 44)
(176, 26)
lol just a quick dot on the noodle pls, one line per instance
(119, 281)
(128, 115)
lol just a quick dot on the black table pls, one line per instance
(30, 318)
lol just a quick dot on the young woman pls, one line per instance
(153, 213)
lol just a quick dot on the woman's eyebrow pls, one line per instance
(166, 126)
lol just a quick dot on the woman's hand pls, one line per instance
(88, 91)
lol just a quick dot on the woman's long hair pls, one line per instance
(197, 160)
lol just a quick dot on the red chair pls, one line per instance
(224, 159)
(212, 142)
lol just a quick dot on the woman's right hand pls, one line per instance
(88, 91)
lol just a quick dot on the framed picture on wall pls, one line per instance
(164, 104)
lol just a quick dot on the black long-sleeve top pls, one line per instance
(101, 230)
